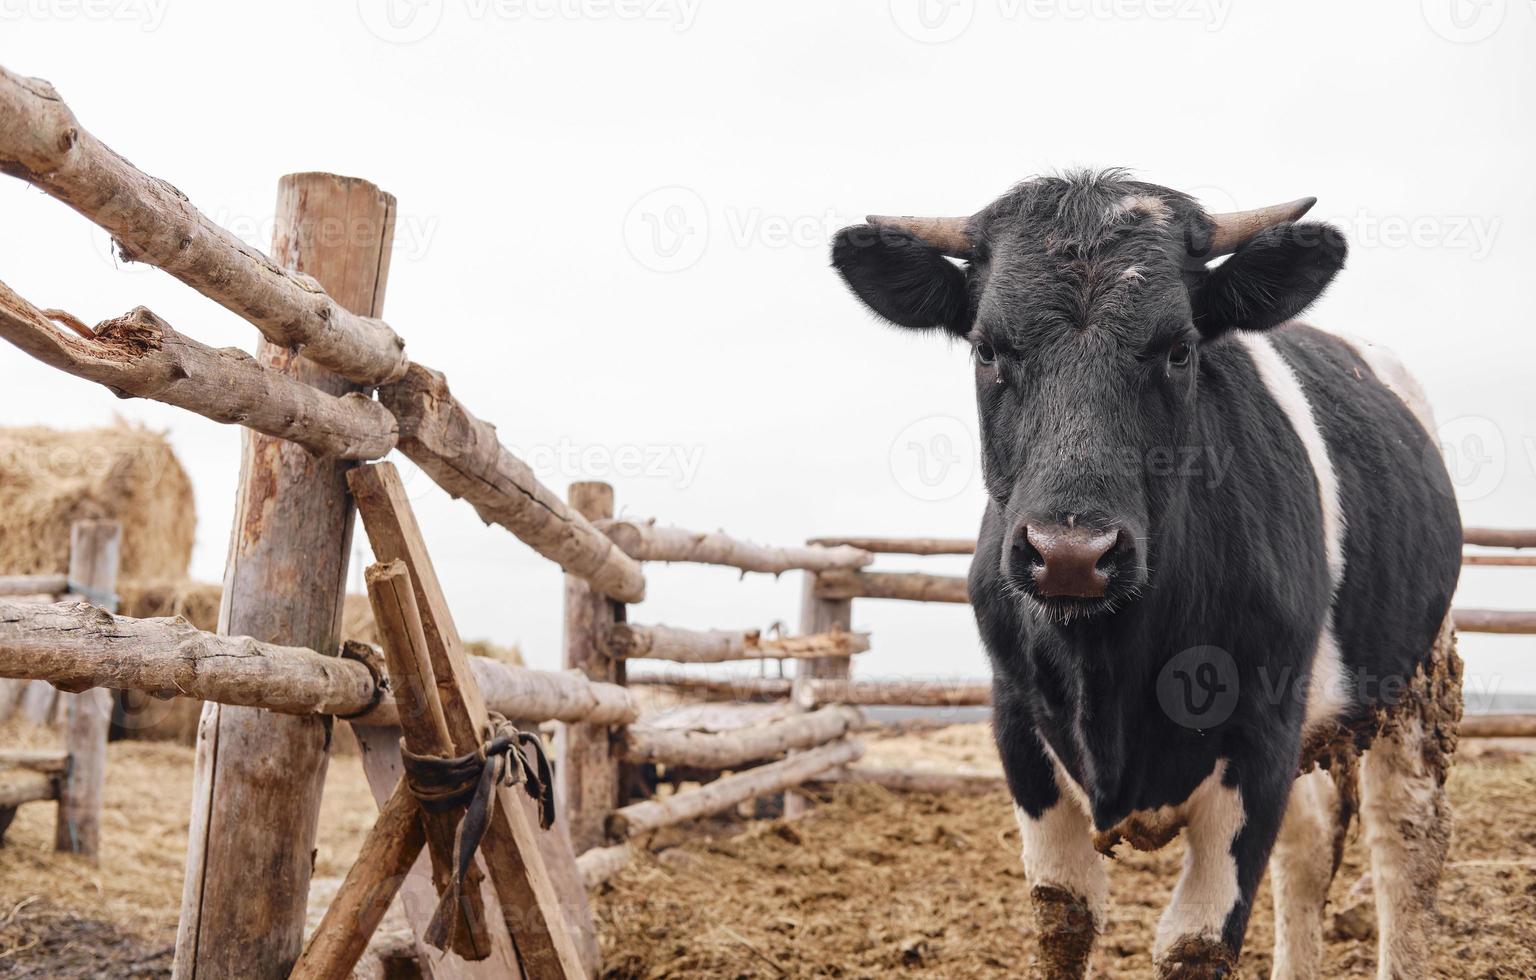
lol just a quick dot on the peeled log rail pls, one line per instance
(728, 750)
(76, 646)
(463, 456)
(914, 586)
(936, 694)
(904, 546)
(1498, 726)
(43, 144)
(601, 863)
(26, 787)
(1512, 561)
(645, 541)
(1516, 621)
(1499, 537)
(626, 641)
(734, 689)
(726, 792)
(30, 585)
(141, 355)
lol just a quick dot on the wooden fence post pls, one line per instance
(817, 615)
(259, 775)
(94, 547)
(588, 757)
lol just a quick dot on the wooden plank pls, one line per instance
(42, 143)
(904, 546)
(1498, 726)
(464, 456)
(1499, 537)
(140, 355)
(913, 586)
(529, 899)
(52, 761)
(1508, 621)
(26, 787)
(588, 761)
(33, 585)
(915, 693)
(1508, 561)
(686, 646)
(729, 750)
(727, 791)
(256, 798)
(425, 733)
(94, 547)
(358, 907)
(646, 541)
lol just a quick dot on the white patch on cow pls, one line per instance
(1328, 691)
(1300, 871)
(1390, 371)
(1207, 890)
(1058, 848)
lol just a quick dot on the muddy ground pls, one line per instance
(870, 884)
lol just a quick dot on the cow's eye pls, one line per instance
(1178, 354)
(985, 354)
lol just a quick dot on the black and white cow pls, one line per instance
(1218, 546)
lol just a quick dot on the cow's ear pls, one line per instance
(1269, 280)
(901, 278)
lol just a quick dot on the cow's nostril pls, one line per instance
(1072, 562)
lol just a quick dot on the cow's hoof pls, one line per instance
(1066, 930)
(1197, 958)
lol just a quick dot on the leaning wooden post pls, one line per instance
(258, 775)
(817, 615)
(94, 547)
(588, 754)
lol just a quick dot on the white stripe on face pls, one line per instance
(1328, 691)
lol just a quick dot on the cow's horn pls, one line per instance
(949, 235)
(1231, 231)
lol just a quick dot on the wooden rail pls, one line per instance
(724, 793)
(75, 647)
(903, 546)
(141, 355)
(728, 750)
(628, 641)
(646, 541)
(33, 585)
(913, 586)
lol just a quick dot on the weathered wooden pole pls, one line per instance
(94, 547)
(817, 615)
(258, 776)
(588, 754)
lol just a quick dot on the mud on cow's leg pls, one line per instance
(1068, 883)
(1233, 817)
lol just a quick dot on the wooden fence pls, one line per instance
(330, 388)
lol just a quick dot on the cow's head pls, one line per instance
(1087, 300)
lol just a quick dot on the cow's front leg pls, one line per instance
(1068, 884)
(1232, 819)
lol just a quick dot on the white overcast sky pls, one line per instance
(614, 216)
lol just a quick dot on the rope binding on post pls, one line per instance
(509, 757)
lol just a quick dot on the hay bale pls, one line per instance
(49, 479)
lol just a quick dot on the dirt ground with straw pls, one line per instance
(869, 884)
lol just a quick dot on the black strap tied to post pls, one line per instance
(509, 757)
